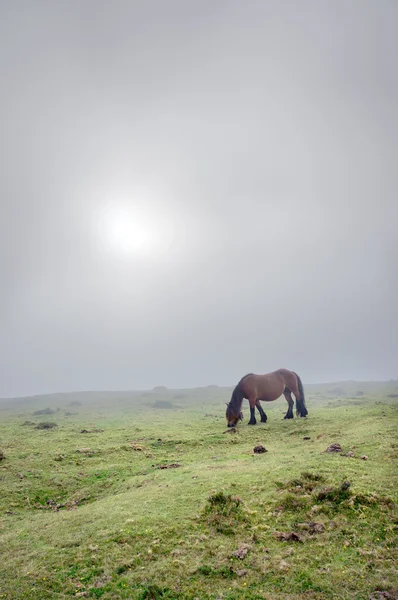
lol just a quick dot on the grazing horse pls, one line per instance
(267, 388)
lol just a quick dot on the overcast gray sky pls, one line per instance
(192, 190)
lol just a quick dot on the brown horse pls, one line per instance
(267, 387)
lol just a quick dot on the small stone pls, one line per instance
(350, 454)
(306, 437)
(364, 457)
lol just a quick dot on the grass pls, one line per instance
(99, 514)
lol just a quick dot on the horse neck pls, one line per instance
(237, 398)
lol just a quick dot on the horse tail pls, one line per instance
(301, 408)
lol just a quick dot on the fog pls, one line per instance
(190, 191)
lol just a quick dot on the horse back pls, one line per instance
(269, 386)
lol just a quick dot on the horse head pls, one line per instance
(232, 416)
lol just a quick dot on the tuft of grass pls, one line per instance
(224, 512)
(154, 592)
(335, 494)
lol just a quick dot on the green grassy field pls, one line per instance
(157, 500)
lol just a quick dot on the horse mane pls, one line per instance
(236, 399)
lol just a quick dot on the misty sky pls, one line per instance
(194, 190)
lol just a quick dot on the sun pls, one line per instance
(129, 231)
(129, 234)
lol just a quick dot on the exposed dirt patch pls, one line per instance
(92, 431)
(334, 448)
(291, 536)
(241, 551)
(312, 527)
(259, 449)
(379, 595)
(171, 466)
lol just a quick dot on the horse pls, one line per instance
(267, 388)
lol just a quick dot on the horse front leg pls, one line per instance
(252, 402)
(288, 395)
(262, 413)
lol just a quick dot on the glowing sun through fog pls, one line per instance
(133, 232)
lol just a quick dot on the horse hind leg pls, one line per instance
(262, 413)
(288, 395)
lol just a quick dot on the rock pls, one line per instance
(333, 448)
(306, 437)
(364, 457)
(259, 449)
(350, 454)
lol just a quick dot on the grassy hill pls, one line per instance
(145, 495)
